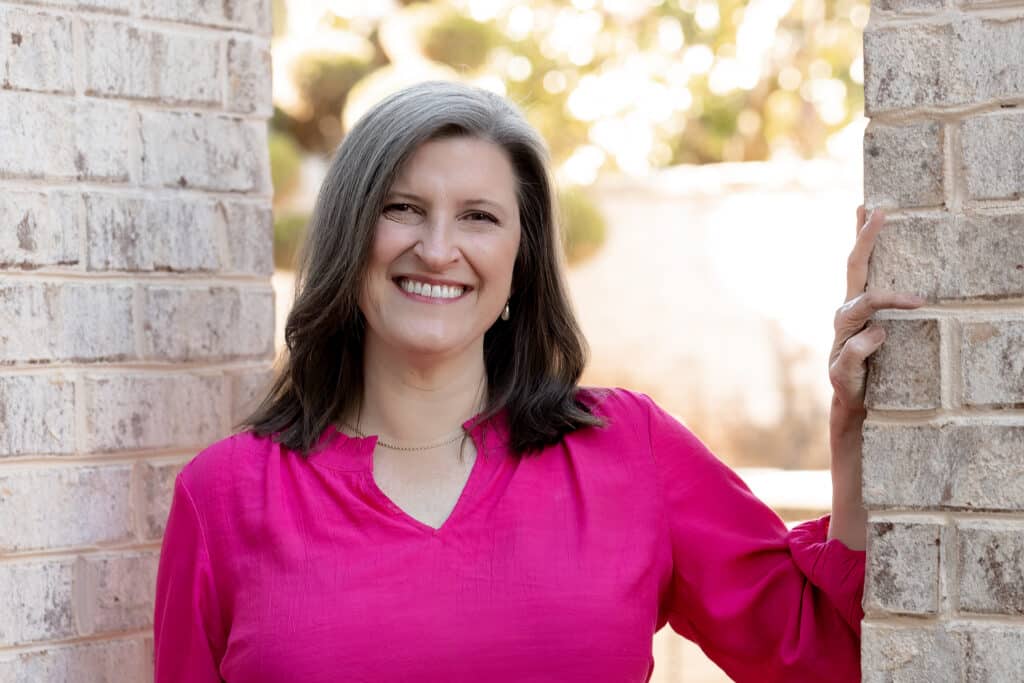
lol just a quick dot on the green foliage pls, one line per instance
(459, 41)
(583, 225)
(289, 231)
(285, 160)
(805, 88)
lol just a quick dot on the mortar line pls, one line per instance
(885, 18)
(143, 103)
(946, 113)
(136, 18)
(141, 368)
(138, 191)
(155, 277)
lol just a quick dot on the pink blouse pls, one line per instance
(554, 567)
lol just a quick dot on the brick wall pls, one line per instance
(136, 314)
(944, 443)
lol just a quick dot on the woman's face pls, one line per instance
(445, 245)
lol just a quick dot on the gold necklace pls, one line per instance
(443, 441)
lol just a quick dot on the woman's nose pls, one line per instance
(436, 246)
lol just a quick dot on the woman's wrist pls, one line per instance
(849, 517)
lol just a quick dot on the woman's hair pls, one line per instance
(533, 361)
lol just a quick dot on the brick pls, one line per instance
(903, 566)
(97, 662)
(67, 321)
(145, 234)
(910, 255)
(114, 592)
(109, 6)
(992, 362)
(126, 61)
(994, 653)
(66, 507)
(908, 6)
(975, 256)
(209, 323)
(256, 323)
(37, 415)
(991, 561)
(950, 466)
(40, 608)
(250, 238)
(29, 316)
(903, 165)
(253, 15)
(97, 322)
(38, 229)
(249, 76)
(912, 654)
(993, 147)
(904, 372)
(988, 254)
(153, 411)
(155, 482)
(204, 151)
(35, 51)
(248, 388)
(939, 65)
(65, 139)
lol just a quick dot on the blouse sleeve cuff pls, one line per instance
(831, 566)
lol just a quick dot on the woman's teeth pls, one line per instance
(433, 291)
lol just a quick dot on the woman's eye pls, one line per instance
(481, 216)
(402, 213)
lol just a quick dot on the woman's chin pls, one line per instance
(433, 345)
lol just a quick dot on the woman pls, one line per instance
(427, 495)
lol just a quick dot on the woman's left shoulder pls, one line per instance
(616, 406)
(614, 400)
(626, 412)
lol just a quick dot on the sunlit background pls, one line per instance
(708, 156)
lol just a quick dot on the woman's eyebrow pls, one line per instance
(467, 202)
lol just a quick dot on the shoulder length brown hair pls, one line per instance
(533, 361)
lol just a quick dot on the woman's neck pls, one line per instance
(416, 400)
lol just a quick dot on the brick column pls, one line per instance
(136, 314)
(944, 443)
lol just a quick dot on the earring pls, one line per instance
(505, 313)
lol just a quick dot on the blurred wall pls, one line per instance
(716, 293)
(136, 311)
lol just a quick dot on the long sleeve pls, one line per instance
(187, 625)
(765, 603)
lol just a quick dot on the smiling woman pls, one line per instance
(426, 494)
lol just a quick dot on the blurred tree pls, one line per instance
(650, 84)
(289, 232)
(582, 223)
(324, 81)
(285, 161)
(610, 85)
(459, 41)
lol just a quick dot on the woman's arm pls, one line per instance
(187, 624)
(855, 340)
(766, 603)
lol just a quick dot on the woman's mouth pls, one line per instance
(430, 292)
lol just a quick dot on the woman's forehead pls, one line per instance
(474, 169)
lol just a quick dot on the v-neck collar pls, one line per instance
(339, 451)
